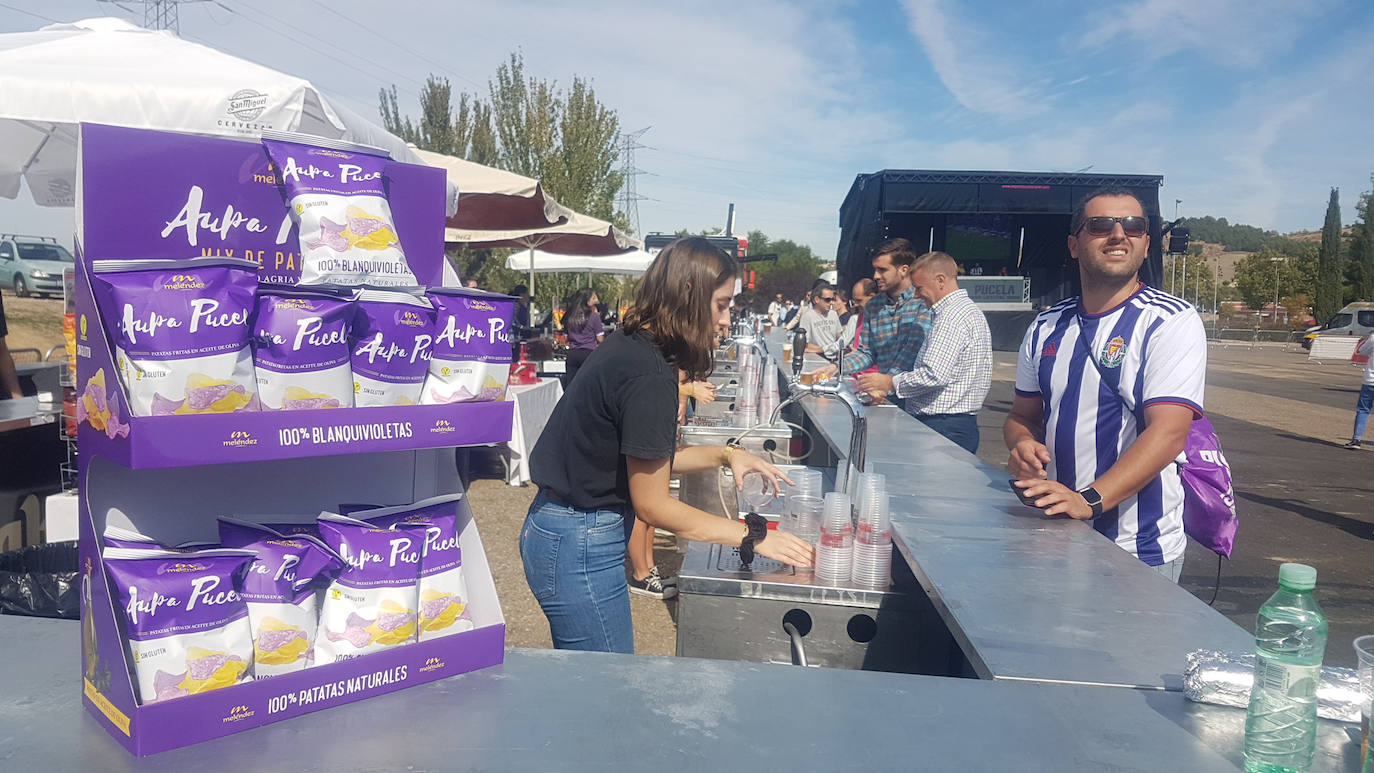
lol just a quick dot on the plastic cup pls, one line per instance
(758, 490)
(835, 546)
(872, 565)
(805, 514)
(1364, 654)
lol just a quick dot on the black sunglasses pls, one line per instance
(1131, 225)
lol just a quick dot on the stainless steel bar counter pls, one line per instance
(545, 710)
(1025, 597)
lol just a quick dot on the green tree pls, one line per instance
(795, 270)
(1262, 275)
(1329, 268)
(1362, 248)
(1191, 279)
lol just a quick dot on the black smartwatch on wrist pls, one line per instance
(1093, 499)
(758, 529)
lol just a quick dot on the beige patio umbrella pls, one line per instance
(494, 199)
(579, 235)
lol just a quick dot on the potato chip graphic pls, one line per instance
(395, 624)
(380, 239)
(403, 400)
(167, 686)
(356, 631)
(331, 236)
(295, 398)
(208, 670)
(439, 610)
(279, 643)
(361, 222)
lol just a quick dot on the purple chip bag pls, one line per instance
(371, 604)
(472, 353)
(116, 537)
(443, 592)
(391, 338)
(301, 349)
(279, 589)
(185, 619)
(180, 330)
(337, 196)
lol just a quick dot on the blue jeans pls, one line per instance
(575, 566)
(961, 428)
(1362, 409)
(1171, 570)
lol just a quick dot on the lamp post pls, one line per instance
(1276, 262)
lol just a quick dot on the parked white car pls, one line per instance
(32, 264)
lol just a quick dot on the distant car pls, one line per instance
(1356, 319)
(32, 264)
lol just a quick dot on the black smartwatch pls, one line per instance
(1094, 501)
(758, 529)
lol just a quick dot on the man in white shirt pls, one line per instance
(946, 387)
(776, 309)
(1107, 386)
(821, 322)
(1366, 401)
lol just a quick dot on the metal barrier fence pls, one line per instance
(1252, 337)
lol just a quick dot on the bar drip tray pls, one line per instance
(727, 561)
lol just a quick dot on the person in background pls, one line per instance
(776, 310)
(1002, 271)
(790, 311)
(1107, 387)
(1366, 400)
(895, 320)
(739, 308)
(822, 323)
(977, 270)
(521, 319)
(609, 449)
(471, 284)
(859, 295)
(9, 377)
(584, 328)
(946, 388)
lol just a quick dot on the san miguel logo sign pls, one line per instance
(244, 107)
(247, 104)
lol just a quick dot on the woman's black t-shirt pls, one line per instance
(622, 403)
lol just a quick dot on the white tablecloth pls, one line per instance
(533, 405)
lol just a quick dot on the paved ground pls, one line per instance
(1301, 498)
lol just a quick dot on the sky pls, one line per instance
(1250, 109)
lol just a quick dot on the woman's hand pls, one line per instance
(742, 462)
(703, 391)
(787, 548)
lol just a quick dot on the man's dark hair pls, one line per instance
(1076, 223)
(899, 250)
(519, 290)
(742, 300)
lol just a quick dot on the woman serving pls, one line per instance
(610, 446)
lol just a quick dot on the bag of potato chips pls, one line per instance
(180, 330)
(337, 197)
(443, 608)
(392, 337)
(186, 623)
(280, 591)
(471, 359)
(300, 349)
(370, 605)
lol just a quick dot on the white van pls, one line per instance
(1356, 319)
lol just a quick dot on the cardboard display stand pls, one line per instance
(146, 194)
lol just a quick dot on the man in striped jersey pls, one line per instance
(1107, 385)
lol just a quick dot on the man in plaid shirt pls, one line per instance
(895, 320)
(953, 371)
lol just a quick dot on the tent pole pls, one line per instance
(531, 271)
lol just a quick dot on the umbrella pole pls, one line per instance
(531, 272)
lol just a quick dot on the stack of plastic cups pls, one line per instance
(864, 483)
(835, 548)
(768, 392)
(873, 542)
(803, 500)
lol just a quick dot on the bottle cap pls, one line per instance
(1297, 577)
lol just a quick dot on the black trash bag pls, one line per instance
(41, 581)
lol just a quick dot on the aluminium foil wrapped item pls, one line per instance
(1225, 678)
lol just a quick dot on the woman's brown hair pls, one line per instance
(673, 304)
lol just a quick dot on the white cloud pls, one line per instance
(977, 80)
(1234, 33)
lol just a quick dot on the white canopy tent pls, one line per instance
(113, 72)
(631, 263)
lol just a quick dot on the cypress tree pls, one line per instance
(1329, 268)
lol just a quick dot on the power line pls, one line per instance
(28, 13)
(158, 14)
(408, 49)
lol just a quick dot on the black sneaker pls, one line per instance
(1354, 444)
(652, 587)
(667, 581)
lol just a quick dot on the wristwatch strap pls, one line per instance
(1093, 499)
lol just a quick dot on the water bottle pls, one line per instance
(1290, 639)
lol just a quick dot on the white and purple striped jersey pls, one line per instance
(1151, 349)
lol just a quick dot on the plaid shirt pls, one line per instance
(954, 369)
(893, 332)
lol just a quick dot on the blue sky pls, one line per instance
(1251, 109)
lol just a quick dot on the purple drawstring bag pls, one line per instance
(1209, 502)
